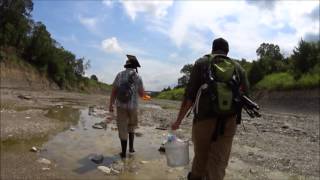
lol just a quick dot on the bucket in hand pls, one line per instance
(177, 153)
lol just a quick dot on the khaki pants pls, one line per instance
(127, 121)
(211, 157)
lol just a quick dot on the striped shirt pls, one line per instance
(123, 77)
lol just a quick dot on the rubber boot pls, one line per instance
(124, 143)
(131, 140)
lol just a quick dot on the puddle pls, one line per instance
(71, 150)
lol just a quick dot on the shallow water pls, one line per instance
(71, 150)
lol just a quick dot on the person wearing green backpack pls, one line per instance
(213, 92)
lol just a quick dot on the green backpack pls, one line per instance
(223, 72)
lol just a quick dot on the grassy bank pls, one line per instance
(174, 94)
(286, 81)
(273, 82)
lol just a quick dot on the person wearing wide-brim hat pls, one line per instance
(127, 87)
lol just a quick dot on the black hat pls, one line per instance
(220, 44)
(132, 62)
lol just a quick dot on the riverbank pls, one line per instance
(282, 144)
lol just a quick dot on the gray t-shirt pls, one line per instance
(122, 77)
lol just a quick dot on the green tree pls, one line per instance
(94, 77)
(186, 71)
(15, 22)
(41, 47)
(269, 50)
(255, 74)
(305, 56)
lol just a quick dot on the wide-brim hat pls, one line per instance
(132, 61)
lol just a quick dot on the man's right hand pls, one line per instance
(175, 125)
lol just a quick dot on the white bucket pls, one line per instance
(177, 153)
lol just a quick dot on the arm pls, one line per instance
(185, 106)
(189, 96)
(141, 88)
(141, 92)
(112, 98)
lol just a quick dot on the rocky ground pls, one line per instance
(282, 144)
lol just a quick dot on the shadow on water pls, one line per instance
(87, 165)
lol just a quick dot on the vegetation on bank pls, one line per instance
(271, 71)
(31, 42)
(174, 94)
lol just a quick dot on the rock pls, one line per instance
(138, 134)
(97, 126)
(98, 159)
(44, 161)
(115, 171)
(252, 171)
(104, 169)
(285, 126)
(250, 153)
(144, 162)
(34, 149)
(45, 169)
(161, 128)
(27, 117)
(169, 171)
(26, 97)
(100, 125)
(72, 129)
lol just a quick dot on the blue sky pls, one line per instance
(165, 35)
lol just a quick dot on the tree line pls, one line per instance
(305, 59)
(32, 41)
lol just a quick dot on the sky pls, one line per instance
(165, 35)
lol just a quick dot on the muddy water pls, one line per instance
(72, 149)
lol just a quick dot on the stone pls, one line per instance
(72, 129)
(45, 169)
(104, 169)
(44, 161)
(138, 134)
(34, 149)
(26, 97)
(250, 153)
(115, 171)
(97, 126)
(98, 159)
(144, 162)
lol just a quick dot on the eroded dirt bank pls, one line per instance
(282, 144)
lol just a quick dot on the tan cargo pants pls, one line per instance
(211, 157)
(127, 121)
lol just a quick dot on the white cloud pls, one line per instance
(157, 9)
(111, 45)
(89, 22)
(195, 23)
(107, 3)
